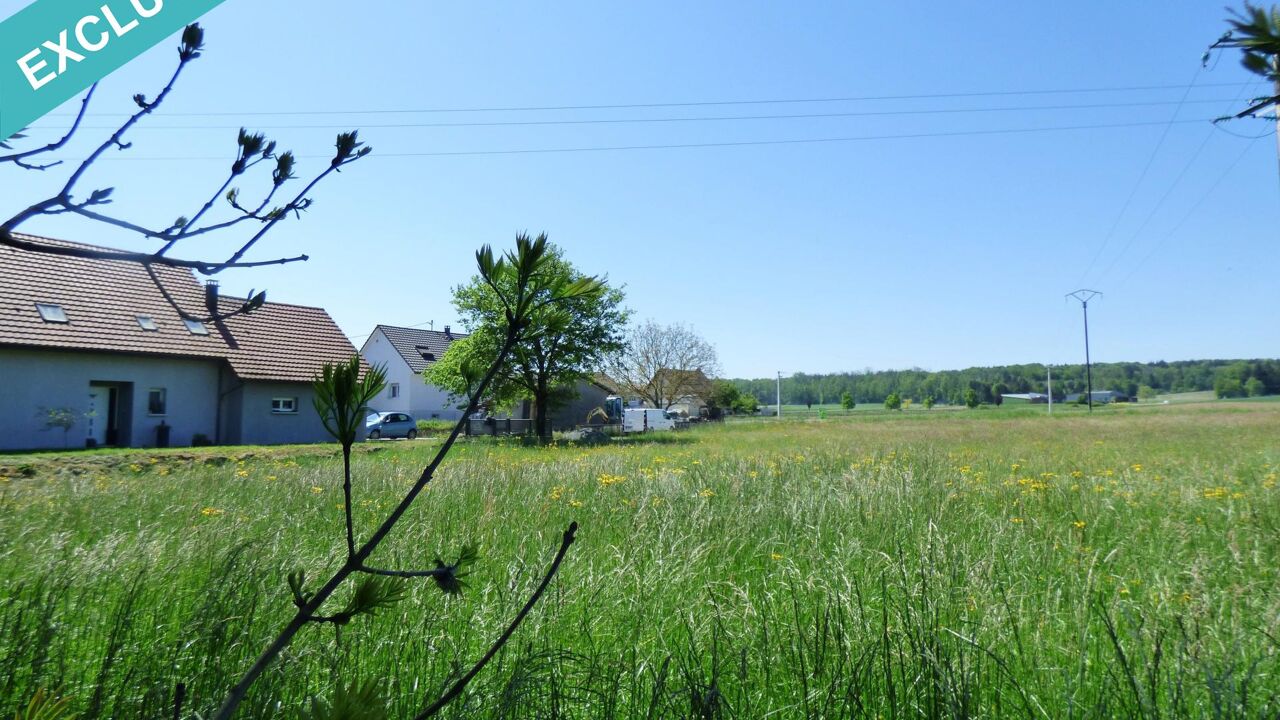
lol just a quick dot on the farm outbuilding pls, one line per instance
(1100, 396)
(1029, 398)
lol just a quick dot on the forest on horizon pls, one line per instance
(1227, 378)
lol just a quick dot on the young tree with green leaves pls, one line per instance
(971, 398)
(846, 401)
(1254, 387)
(526, 285)
(562, 343)
(893, 402)
(1256, 33)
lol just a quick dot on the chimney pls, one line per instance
(211, 296)
(447, 334)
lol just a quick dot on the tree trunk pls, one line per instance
(541, 423)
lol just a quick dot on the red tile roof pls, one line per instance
(102, 299)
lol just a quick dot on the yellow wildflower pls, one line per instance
(706, 492)
(211, 512)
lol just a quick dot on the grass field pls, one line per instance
(959, 564)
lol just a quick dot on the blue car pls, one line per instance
(390, 425)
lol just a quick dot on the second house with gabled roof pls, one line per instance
(406, 352)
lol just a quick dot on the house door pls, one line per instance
(96, 419)
(104, 421)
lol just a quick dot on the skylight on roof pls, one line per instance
(50, 312)
(426, 353)
(196, 327)
(147, 323)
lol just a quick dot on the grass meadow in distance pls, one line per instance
(992, 563)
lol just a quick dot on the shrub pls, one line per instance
(846, 401)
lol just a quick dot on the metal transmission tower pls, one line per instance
(1084, 296)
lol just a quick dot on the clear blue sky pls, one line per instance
(942, 250)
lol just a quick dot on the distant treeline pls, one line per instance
(1229, 378)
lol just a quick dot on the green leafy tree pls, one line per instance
(724, 397)
(997, 393)
(561, 343)
(746, 404)
(1228, 387)
(1255, 387)
(971, 398)
(846, 401)
(893, 402)
(928, 402)
(1146, 392)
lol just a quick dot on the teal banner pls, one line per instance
(53, 49)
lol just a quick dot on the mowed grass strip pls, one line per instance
(962, 565)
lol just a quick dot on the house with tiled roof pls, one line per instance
(406, 352)
(97, 339)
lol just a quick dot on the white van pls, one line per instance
(646, 419)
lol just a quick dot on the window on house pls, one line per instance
(50, 312)
(426, 353)
(157, 401)
(196, 327)
(284, 405)
(393, 390)
(147, 323)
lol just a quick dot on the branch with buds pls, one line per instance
(252, 150)
(342, 394)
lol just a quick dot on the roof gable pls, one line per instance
(419, 348)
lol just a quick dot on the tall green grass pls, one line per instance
(966, 565)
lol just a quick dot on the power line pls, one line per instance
(713, 118)
(1172, 186)
(432, 323)
(742, 143)
(699, 103)
(1191, 211)
(1143, 176)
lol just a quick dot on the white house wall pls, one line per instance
(430, 402)
(378, 351)
(417, 398)
(35, 379)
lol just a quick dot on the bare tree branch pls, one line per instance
(19, 158)
(663, 364)
(254, 149)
